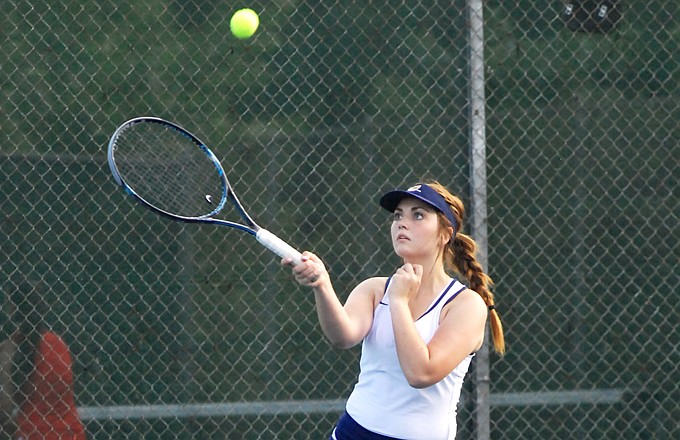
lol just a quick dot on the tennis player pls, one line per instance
(419, 327)
(42, 373)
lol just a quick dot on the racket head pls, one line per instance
(171, 172)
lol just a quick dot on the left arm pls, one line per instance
(461, 332)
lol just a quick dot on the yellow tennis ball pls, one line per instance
(244, 23)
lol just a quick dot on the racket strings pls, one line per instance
(169, 169)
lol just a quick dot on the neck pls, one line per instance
(434, 275)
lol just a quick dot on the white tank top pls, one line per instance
(382, 400)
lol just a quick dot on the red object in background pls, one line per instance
(49, 412)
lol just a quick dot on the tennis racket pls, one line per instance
(171, 172)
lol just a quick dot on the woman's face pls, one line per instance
(415, 229)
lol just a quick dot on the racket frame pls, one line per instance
(265, 237)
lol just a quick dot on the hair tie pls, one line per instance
(492, 307)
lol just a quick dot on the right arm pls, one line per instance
(343, 325)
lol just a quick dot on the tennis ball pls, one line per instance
(244, 23)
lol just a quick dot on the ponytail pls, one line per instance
(463, 249)
(460, 256)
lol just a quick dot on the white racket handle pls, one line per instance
(278, 246)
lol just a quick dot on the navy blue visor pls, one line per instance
(423, 192)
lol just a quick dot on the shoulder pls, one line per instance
(49, 335)
(463, 320)
(467, 303)
(373, 288)
(52, 339)
(374, 285)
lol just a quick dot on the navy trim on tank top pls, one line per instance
(387, 283)
(453, 281)
(454, 295)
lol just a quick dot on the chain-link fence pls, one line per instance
(195, 332)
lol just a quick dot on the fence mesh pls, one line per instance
(195, 332)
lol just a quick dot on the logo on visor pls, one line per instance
(415, 188)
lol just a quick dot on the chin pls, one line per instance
(404, 252)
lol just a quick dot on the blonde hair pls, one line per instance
(460, 256)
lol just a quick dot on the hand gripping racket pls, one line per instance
(171, 172)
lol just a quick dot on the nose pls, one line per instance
(401, 223)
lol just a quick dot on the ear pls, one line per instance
(447, 235)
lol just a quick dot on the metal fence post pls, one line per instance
(478, 217)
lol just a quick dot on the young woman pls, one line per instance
(419, 327)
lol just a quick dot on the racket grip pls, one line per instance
(278, 246)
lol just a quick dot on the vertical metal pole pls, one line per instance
(478, 216)
(578, 122)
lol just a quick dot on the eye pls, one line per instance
(396, 216)
(418, 215)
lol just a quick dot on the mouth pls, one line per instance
(402, 237)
